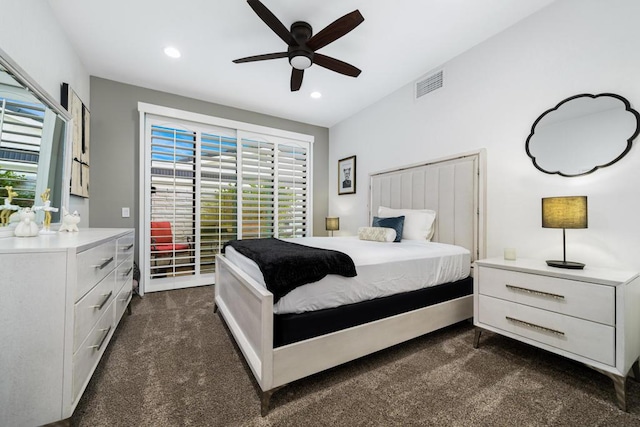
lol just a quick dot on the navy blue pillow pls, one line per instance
(397, 223)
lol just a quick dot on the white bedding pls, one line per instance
(384, 268)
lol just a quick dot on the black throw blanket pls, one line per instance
(285, 265)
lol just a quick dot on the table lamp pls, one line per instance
(332, 223)
(564, 212)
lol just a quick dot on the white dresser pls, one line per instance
(590, 315)
(61, 298)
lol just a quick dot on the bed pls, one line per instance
(454, 188)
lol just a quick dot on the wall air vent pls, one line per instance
(428, 84)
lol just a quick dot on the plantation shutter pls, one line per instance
(218, 195)
(258, 188)
(292, 190)
(172, 210)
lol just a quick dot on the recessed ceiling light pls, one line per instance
(172, 52)
(316, 95)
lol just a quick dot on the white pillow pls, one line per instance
(377, 234)
(419, 224)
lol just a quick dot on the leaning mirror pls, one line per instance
(583, 133)
(33, 145)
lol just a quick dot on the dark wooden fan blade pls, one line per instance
(335, 30)
(336, 65)
(296, 79)
(261, 57)
(273, 22)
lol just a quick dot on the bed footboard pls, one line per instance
(247, 308)
(304, 358)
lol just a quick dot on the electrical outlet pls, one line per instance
(125, 213)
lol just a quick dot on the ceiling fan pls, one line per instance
(302, 46)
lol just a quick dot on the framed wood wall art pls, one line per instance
(347, 175)
(80, 137)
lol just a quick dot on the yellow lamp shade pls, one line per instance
(564, 212)
(332, 223)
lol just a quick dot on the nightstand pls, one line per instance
(591, 315)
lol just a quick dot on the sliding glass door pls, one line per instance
(205, 185)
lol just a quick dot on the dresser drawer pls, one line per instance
(124, 273)
(93, 265)
(91, 307)
(89, 352)
(582, 337)
(123, 298)
(580, 299)
(124, 247)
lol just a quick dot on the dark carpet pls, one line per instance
(173, 362)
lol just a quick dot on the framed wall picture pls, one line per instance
(347, 175)
(80, 138)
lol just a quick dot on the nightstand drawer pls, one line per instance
(581, 337)
(574, 298)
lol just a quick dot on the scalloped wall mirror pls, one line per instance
(582, 134)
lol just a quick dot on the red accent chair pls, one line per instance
(162, 244)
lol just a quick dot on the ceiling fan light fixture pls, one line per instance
(300, 61)
(302, 44)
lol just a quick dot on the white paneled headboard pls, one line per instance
(454, 187)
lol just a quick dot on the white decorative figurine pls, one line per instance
(7, 208)
(47, 208)
(27, 226)
(69, 221)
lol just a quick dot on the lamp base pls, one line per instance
(566, 264)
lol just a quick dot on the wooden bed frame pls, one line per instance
(453, 187)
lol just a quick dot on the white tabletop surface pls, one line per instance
(83, 239)
(588, 274)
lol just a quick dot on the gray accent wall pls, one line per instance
(115, 162)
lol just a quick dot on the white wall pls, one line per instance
(491, 96)
(32, 37)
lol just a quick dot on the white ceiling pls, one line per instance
(398, 42)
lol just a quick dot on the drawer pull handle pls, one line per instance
(104, 301)
(98, 346)
(534, 326)
(128, 271)
(104, 264)
(531, 291)
(128, 247)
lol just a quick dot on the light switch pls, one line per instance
(125, 212)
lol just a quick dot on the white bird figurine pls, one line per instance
(69, 221)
